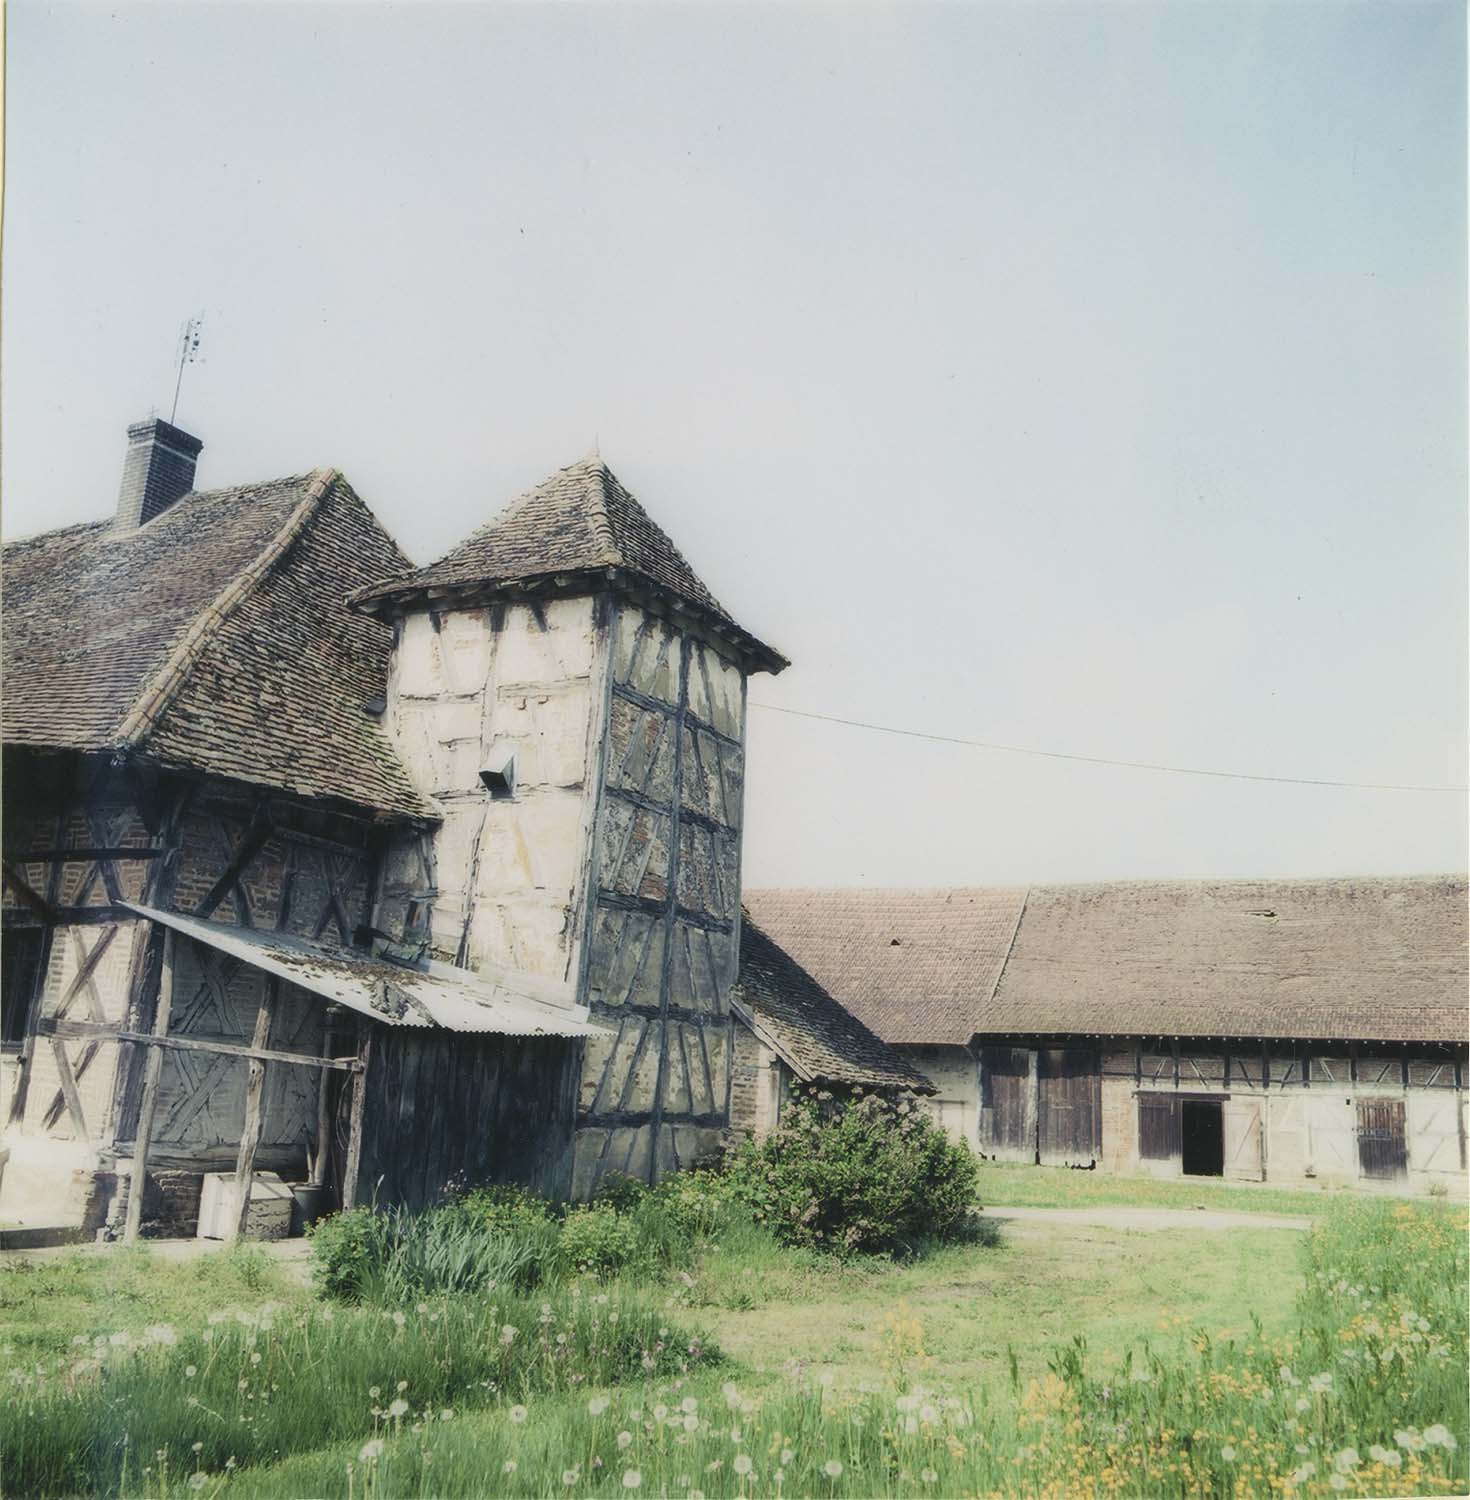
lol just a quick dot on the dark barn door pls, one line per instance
(1004, 1073)
(1069, 1127)
(1202, 1137)
(1381, 1149)
(1158, 1127)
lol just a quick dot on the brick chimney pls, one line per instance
(158, 470)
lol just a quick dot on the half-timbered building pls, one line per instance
(1283, 1030)
(372, 877)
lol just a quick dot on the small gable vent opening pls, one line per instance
(498, 774)
(895, 943)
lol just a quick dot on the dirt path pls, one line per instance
(1149, 1218)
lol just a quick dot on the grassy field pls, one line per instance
(1062, 1360)
(1014, 1185)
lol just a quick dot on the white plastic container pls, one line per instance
(270, 1207)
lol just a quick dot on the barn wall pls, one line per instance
(217, 850)
(955, 1074)
(447, 1108)
(499, 880)
(760, 1081)
(1292, 1115)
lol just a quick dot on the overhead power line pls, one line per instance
(1103, 760)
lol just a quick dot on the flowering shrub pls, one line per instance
(870, 1174)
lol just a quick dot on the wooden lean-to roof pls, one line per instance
(818, 1039)
(915, 966)
(1351, 960)
(213, 639)
(579, 526)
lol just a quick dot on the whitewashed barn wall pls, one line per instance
(498, 881)
(955, 1072)
(1280, 1127)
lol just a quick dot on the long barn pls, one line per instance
(1281, 1030)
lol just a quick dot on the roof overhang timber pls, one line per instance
(387, 600)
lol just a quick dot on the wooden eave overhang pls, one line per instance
(386, 601)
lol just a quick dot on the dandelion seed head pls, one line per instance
(631, 1479)
(518, 1414)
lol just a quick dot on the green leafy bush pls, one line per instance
(466, 1246)
(597, 1241)
(869, 1174)
(621, 1193)
(700, 1201)
(506, 1208)
(348, 1253)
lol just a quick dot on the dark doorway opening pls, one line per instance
(1203, 1131)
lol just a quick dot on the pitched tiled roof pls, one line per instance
(914, 966)
(1374, 959)
(809, 1027)
(581, 521)
(214, 639)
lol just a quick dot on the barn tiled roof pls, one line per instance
(214, 639)
(1374, 959)
(914, 966)
(580, 521)
(824, 1041)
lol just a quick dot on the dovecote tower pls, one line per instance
(574, 698)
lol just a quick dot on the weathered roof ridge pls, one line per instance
(602, 524)
(174, 672)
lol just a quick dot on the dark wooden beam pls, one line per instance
(73, 1030)
(66, 856)
(252, 841)
(26, 896)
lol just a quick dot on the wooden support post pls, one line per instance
(354, 1133)
(149, 1106)
(254, 1090)
(323, 1118)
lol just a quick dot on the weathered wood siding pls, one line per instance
(448, 1108)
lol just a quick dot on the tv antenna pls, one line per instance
(189, 336)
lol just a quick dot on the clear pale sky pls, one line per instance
(1087, 377)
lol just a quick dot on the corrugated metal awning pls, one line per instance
(494, 999)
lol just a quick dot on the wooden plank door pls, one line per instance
(1243, 1155)
(1382, 1148)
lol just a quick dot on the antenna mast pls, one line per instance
(189, 336)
